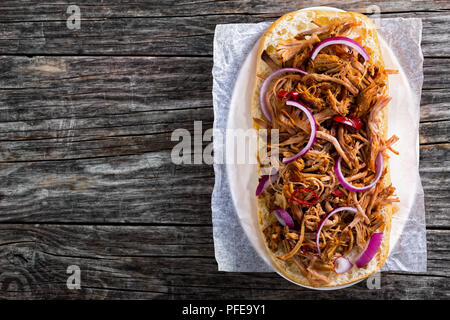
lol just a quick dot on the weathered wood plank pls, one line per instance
(134, 278)
(60, 139)
(91, 86)
(435, 176)
(94, 99)
(435, 132)
(61, 108)
(432, 69)
(88, 141)
(170, 82)
(81, 86)
(168, 262)
(37, 11)
(136, 189)
(117, 106)
(107, 190)
(435, 105)
(146, 188)
(31, 104)
(178, 35)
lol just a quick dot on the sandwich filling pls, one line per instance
(346, 94)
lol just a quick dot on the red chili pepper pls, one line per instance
(338, 193)
(282, 94)
(294, 95)
(350, 121)
(303, 190)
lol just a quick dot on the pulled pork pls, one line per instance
(339, 83)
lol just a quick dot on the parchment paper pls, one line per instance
(233, 250)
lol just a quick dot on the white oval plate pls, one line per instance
(243, 178)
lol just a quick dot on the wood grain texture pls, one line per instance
(145, 188)
(37, 11)
(133, 189)
(170, 263)
(58, 108)
(159, 36)
(86, 118)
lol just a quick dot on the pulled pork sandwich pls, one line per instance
(326, 213)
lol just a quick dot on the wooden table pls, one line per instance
(86, 177)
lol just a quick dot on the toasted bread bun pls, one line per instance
(284, 28)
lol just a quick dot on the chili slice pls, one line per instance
(292, 95)
(282, 94)
(353, 122)
(303, 190)
(338, 193)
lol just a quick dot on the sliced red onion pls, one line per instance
(340, 40)
(312, 137)
(283, 217)
(265, 86)
(348, 186)
(265, 182)
(328, 217)
(371, 249)
(342, 265)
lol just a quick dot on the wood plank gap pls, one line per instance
(107, 224)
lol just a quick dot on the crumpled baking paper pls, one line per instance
(232, 43)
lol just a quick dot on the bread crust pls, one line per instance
(370, 41)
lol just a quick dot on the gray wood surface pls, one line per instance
(86, 178)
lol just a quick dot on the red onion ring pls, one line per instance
(340, 40)
(265, 182)
(283, 217)
(265, 86)
(348, 186)
(326, 218)
(371, 249)
(342, 265)
(312, 137)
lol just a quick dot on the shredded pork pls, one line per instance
(339, 82)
